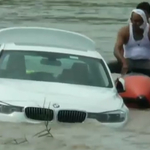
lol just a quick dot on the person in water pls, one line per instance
(132, 47)
(115, 65)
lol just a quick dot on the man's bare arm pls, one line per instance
(118, 49)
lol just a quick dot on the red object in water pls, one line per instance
(137, 92)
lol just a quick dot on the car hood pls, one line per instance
(67, 96)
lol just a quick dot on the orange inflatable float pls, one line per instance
(137, 91)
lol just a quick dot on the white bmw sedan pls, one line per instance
(50, 81)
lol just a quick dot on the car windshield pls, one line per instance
(54, 67)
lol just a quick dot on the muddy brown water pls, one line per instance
(100, 20)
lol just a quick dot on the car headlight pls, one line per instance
(115, 116)
(109, 117)
(8, 109)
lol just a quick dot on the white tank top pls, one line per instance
(137, 49)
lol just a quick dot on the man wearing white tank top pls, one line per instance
(134, 40)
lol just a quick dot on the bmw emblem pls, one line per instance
(56, 105)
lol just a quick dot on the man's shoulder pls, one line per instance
(124, 33)
(124, 30)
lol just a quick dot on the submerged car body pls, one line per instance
(55, 75)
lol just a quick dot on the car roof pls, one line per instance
(46, 37)
(23, 47)
(48, 40)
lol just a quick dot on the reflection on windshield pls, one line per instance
(53, 67)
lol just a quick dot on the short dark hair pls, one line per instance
(145, 6)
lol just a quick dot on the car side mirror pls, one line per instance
(120, 85)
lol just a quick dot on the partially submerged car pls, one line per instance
(50, 74)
